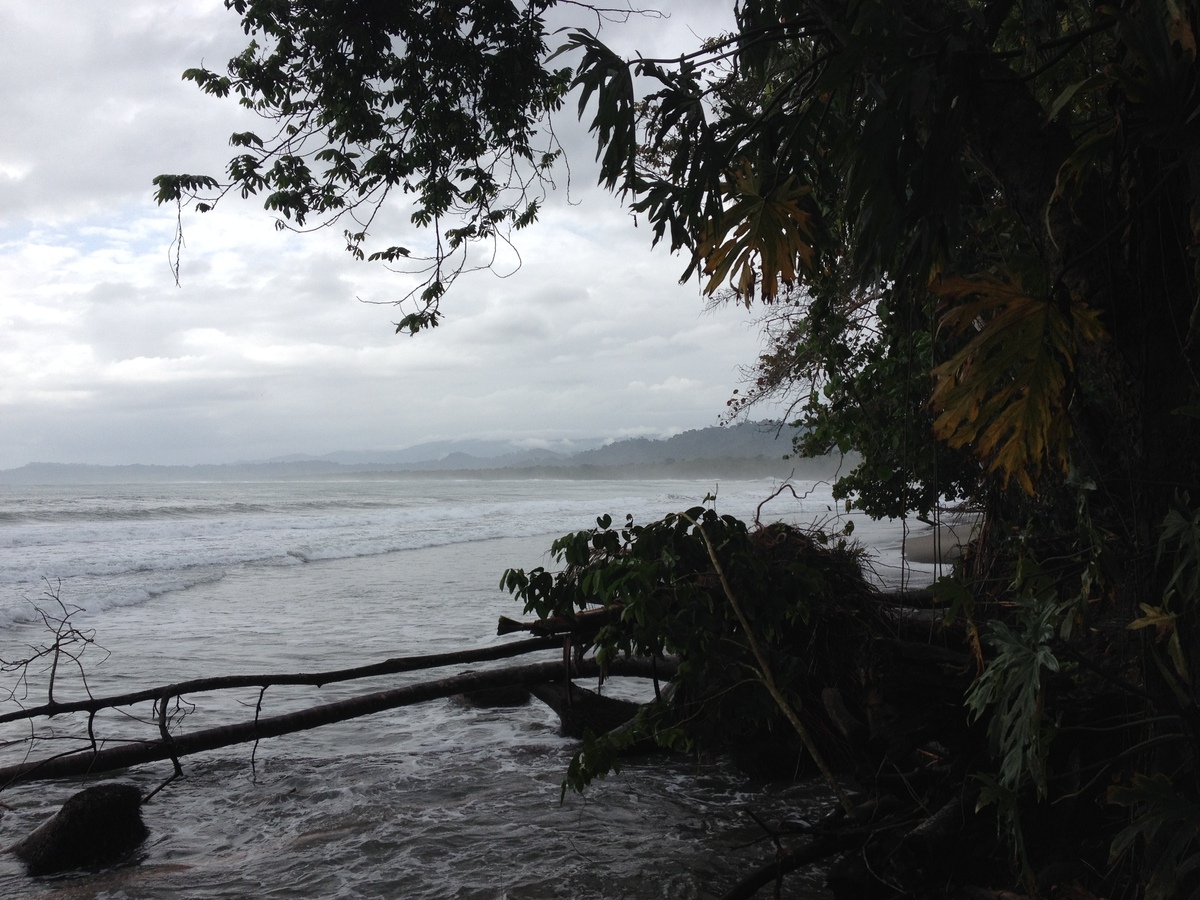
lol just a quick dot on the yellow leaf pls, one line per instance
(759, 238)
(1180, 30)
(1156, 617)
(1003, 394)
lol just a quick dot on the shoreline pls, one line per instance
(940, 544)
(59, 474)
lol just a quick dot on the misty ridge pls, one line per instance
(744, 450)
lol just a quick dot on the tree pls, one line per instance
(975, 228)
(437, 100)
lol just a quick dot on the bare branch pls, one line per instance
(92, 762)
(316, 679)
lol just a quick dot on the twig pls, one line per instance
(165, 732)
(178, 773)
(254, 750)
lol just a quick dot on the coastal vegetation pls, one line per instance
(973, 228)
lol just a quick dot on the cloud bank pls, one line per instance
(277, 343)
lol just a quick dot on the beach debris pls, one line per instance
(583, 623)
(168, 745)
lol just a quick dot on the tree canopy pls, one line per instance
(973, 227)
(895, 175)
(441, 102)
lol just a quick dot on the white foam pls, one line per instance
(121, 545)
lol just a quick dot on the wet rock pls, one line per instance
(97, 827)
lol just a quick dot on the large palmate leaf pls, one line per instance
(763, 236)
(1004, 393)
(1012, 683)
(607, 76)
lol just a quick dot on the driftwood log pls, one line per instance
(586, 622)
(393, 666)
(101, 758)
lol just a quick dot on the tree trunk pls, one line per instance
(225, 682)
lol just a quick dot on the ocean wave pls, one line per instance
(128, 546)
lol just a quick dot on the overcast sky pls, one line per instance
(267, 348)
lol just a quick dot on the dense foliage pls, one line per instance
(979, 224)
(795, 592)
(963, 195)
(975, 229)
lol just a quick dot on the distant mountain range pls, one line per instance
(748, 449)
(439, 450)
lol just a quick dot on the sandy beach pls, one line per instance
(943, 543)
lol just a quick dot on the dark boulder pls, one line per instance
(97, 827)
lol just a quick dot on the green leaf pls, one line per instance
(1166, 818)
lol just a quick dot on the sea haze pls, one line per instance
(744, 450)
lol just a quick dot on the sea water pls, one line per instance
(168, 582)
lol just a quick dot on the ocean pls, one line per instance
(166, 582)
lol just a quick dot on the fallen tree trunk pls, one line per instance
(393, 666)
(581, 710)
(587, 621)
(106, 759)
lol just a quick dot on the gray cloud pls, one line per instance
(265, 348)
(94, 106)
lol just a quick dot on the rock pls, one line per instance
(97, 827)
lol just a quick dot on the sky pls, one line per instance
(276, 343)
